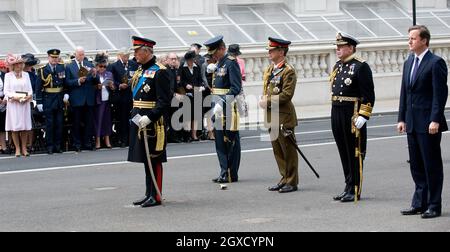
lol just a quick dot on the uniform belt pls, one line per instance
(345, 99)
(53, 90)
(220, 91)
(144, 104)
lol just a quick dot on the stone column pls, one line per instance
(189, 9)
(313, 7)
(429, 4)
(49, 11)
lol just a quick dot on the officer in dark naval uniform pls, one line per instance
(151, 102)
(280, 80)
(226, 86)
(353, 98)
(49, 98)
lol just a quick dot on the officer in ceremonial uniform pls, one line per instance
(280, 80)
(353, 98)
(50, 99)
(151, 102)
(226, 86)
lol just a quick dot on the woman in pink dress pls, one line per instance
(19, 93)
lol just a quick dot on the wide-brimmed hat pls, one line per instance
(30, 60)
(13, 60)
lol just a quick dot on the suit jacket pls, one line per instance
(186, 78)
(423, 101)
(118, 70)
(280, 86)
(81, 95)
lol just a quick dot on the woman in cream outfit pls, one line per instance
(19, 93)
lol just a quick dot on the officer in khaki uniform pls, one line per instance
(280, 80)
(353, 98)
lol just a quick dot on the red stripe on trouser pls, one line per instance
(159, 178)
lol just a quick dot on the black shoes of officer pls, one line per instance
(150, 202)
(141, 201)
(276, 188)
(340, 196)
(431, 214)
(412, 211)
(288, 189)
(349, 197)
(220, 180)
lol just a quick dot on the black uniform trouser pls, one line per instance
(228, 147)
(85, 115)
(54, 119)
(149, 185)
(427, 170)
(341, 123)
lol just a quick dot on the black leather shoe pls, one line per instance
(141, 201)
(58, 151)
(431, 214)
(220, 180)
(50, 152)
(288, 189)
(412, 211)
(340, 197)
(276, 188)
(348, 197)
(78, 150)
(151, 202)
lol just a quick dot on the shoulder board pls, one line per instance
(41, 67)
(61, 63)
(161, 66)
(360, 59)
(289, 67)
(231, 58)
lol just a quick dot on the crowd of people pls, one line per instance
(85, 104)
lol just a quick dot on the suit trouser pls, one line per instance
(287, 160)
(54, 119)
(427, 170)
(228, 147)
(150, 186)
(341, 123)
(83, 114)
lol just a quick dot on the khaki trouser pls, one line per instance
(287, 160)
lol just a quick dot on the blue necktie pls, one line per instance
(414, 73)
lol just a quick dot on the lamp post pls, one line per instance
(414, 7)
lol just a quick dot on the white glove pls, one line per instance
(202, 89)
(211, 68)
(218, 110)
(40, 108)
(359, 123)
(144, 121)
(66, 98)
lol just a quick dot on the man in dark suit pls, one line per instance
(82, 98)
(123, 70)
(421, 115)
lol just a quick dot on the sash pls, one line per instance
(149, 73)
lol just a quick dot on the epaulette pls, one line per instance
(360, 59)
(231, 57)
(161, 66)
(289, 67)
